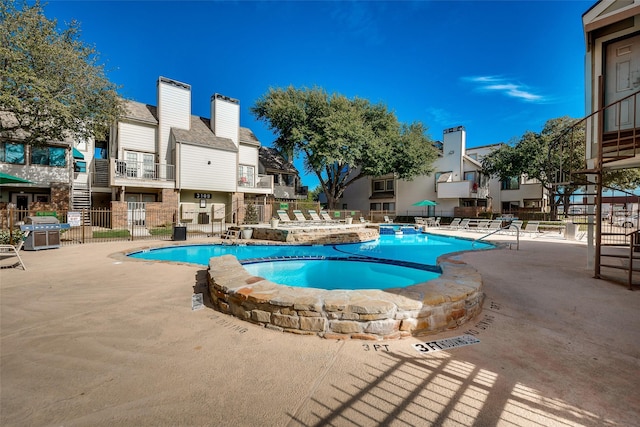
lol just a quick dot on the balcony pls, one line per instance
(461, 190)
(262, 185)
(290, 192)
(141, 174)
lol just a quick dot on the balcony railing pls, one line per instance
(461, 189)
(263, 182)
(143, 170)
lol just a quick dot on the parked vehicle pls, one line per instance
(626, 221)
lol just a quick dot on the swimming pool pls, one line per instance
(390, 261)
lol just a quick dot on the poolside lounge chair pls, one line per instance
(314, 216)
(388, 220)
(435, 223)
(532, 228)
(494, 225)
(299, 216)
(517, 223)
(284, 216)
(464, 224)
(483, 225)
(419, 220)
(454, 224)
(364, 221)
(325, 215)
(10, 251)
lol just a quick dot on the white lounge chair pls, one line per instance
(494, 225)
(464, 224)
(284, 216)
(299, 216)
(11, 250)
(516, 223)
(364, 221)
(388, 220)
(325, 215)
(532, 228)
(314, 216)
(454, 224)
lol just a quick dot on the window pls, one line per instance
(380, 185)
(470, 176)
(246, 175)
(12, 153)
(390, 206)
(532, 203)
(49, 156)
(512, 183)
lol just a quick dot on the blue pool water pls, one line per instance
(390, 261)
(350, 274)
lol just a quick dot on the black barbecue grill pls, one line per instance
(43, 232)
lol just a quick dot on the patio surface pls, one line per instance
(86, 339)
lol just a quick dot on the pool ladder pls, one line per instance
(501, 229)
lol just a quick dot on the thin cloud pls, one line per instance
(505, 87)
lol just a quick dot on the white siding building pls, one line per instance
(457, 186)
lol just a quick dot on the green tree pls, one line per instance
(342, 140)
(52, 84)
(543, 156)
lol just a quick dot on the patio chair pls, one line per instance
(284, 216)
(314, 216)
(419, 220)
(436, 223)
(483, 226)
(532, 228)
(517, 223)
(299, 216)
(364, 221)
(464, 224)
(10, 251)
(325, 215)
(454, 224)
(388, 220)
(494, 225)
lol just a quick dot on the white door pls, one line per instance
(622, 78)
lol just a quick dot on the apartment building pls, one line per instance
(457, 186)
(158, 157)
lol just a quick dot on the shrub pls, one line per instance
(250, 214)
(11, 239)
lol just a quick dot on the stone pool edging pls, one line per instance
(441, 304)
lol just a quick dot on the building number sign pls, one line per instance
(203, 196)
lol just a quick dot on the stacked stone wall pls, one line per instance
(318, 235)
(430, 307)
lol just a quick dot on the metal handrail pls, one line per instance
(501, 229)
(634, 243)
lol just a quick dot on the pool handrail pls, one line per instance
(500, 229)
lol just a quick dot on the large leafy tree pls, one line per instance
(544, 156)
(342, 140)
(52, 84)
(549, 156)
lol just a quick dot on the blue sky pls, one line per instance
(499, 68)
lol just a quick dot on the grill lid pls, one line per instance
(41, 220)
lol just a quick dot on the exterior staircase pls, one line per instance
(617, 251)
(81, 201)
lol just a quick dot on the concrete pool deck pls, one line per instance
(89, 340)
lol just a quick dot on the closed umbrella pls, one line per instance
(5, 178)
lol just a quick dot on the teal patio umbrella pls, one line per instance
(425, 203)
(5, 178)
